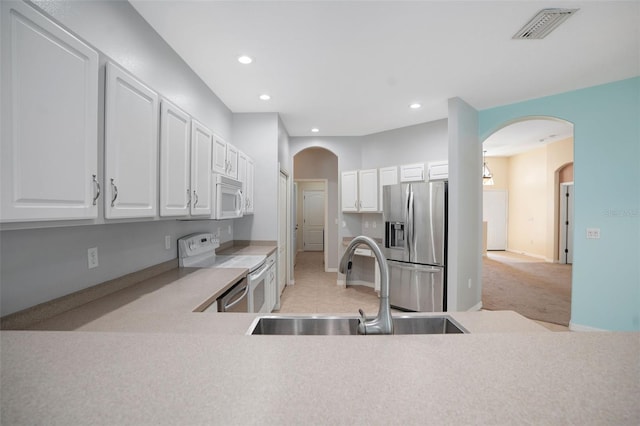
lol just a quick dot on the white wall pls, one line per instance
(257, 136)
(42, 264)
(464, 290)
(426, 142)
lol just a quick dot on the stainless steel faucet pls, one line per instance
(383, 323)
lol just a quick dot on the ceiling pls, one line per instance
(353, 68)
(525, 136)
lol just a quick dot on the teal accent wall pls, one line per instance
(606, 271)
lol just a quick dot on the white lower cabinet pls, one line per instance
(175, 160)
(131, 147)
(49, 139)
(271, 284)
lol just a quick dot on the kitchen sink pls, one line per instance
(340, 325)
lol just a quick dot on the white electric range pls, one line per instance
(250, 295)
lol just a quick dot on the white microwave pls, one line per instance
(228, 197)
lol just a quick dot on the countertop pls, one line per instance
(143, 356)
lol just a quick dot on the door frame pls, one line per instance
(562, 238)
(288, 278)
(325, 183)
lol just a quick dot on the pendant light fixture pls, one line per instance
(487, 176)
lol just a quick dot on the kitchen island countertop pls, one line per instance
(143, 356)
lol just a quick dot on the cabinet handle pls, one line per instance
(195, 195)
(188, 198)
(114, 189)
(97, 184)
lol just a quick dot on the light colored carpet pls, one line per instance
(535, 289)
(316, 291)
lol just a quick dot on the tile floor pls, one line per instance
(316, 292)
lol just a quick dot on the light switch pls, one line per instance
(593, 233)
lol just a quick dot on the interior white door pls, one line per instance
(175, 173)
(566, 223)
(282, 231)
(313, 220)
(494, 212)
(201, 178)
(131, 146)
(49, 140)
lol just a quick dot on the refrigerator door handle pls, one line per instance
(413, 267)
(409, 237)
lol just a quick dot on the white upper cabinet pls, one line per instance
(202, 143)
(368, 190)
(175, 160)
(245, 175)
(232, 159)
(131, 147)
(412, 173)
(359, 190)
(219, 156)
(250, 184)
(49, 139)
(349, 191)
(388, 176)
(225, 158)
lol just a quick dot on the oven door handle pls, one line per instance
(239, 299)
(257, 275)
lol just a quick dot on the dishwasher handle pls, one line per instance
(233, 295)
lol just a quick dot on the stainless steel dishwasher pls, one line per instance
(236, 299)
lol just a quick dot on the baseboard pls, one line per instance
(578, 327)
(340, 283)
(476, 307)
(292, 282)
(331, 269)
(536, 256)
(361, 282)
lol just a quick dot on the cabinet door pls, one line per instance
(219, 156)
(412, 173)
(201, 167)
(250, 186)
(368, 190)
(131, 147)
(242, 177)
(49, 140)
(175, 160)
(388, 176)
(232, 161)
(349, 191)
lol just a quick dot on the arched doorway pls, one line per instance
(315, 170)
(525, 157)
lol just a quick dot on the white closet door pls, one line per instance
(131, 147)
(49, 140)
(175, 160)
(201, 168)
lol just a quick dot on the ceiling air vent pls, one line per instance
(543, 23)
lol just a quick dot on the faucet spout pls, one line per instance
(382, 323)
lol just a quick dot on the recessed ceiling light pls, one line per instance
(245, 59)
(315, 130)
(415, 106)
(265, 97)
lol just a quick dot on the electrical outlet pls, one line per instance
(374, 224)
(366, 223)
(469, 282)
(229, 229)
(344, 224)
(92, 257)
(167, 242)
(593, 233)
(218, 232)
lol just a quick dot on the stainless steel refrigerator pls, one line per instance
(415, 244)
